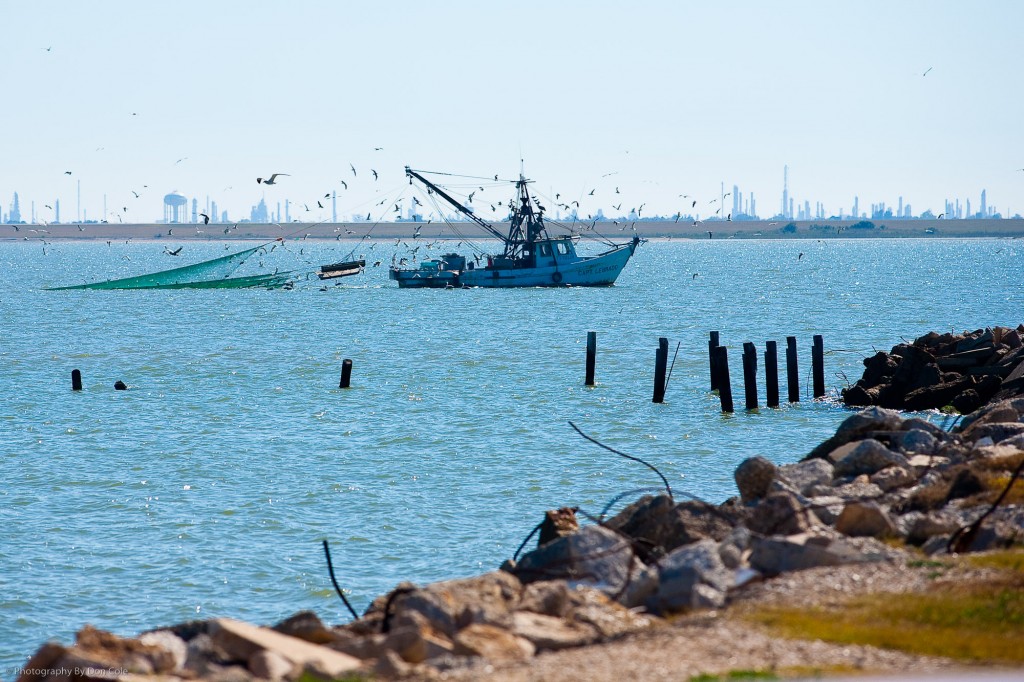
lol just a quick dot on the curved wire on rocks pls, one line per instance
(330, 569)
(664, 480)
(385, 625)
(604, 511)
(961, 540)
(533, 532)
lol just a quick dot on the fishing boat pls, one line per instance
(531, 257)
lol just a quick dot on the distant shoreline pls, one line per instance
(614, 230)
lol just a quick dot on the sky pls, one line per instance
(656, 99)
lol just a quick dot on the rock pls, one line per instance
(658, 525)
(826, 508)
(892, 478)
(549, 597)
(169, 642)
(859, 395)
(779, 514)
(997, 431)
(803, 475)
(774, 555)
(557, 524)
(415, 641)
(965, 484)
(103, 650)
(732, 550)
(551, 634)
(493, 643)
(610, 619)
(390, 666)
(878, 368)
(268, 665)
(865, 519)
(855, 490)
(867, 457)
(241, 641)
(594, 555)
(452, 605)
(692, 577)
(1012, 339)
(918, 441)
(966, 402)
(856, 426)
(1008, 410)
(306, 625)
(753, 478)
(928, 525)
(43, 660)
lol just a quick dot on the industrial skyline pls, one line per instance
(179, 209)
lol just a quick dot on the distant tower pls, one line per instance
(195, 211)
(984, 209)
(736, 201)
(15, 215)
(174, 207)
(213, 211)
(786, 209)
(856, 208)
(334, 206)
(753, 206)
(78, 211)
(899, 211)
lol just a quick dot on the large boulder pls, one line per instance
(867, 457)
(803, 476)
(657, 524)
(595, 555)
(856, 427)
(865, 519)
(754, 477)
(692, 577)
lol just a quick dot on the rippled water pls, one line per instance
(205, 489)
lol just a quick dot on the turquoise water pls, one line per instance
(205, 489)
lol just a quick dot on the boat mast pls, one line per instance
(527, 225)
(458, 206)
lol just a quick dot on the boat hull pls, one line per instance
(594, 271)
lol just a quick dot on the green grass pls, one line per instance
(736, 676)
(980, 622)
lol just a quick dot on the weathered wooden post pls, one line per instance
(346, 373)
(792, 374)
(660, 367)
(712, 345)
(591, 357)
(724, 386)
(750, 375)
(76, 380)
(771, 373)
(818, 366)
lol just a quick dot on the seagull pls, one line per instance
(377, 149)
(694, 203)
(319, 204)
(709, 234)
(800, 256)
(67, 172)
(344, 184)
(695, 275)
(374, 173)
(272, 180)
(135, 193)
(353, 170)
(590, 193)
(941, 214)
(206, 218)
(926, 72)
(173, 253)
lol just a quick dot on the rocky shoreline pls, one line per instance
(861, 509)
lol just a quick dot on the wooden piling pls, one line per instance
(346, 373)
(591, 357)
(76, 380)
(818, 366)
(792, 373)
(750, 375)
(660, 367)
(724, 386)
(712, 345)
(771, 373)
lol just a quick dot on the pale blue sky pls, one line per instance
(672, 97)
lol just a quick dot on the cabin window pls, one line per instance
(545, 250)
(562, 247)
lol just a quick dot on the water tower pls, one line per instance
(174, 208)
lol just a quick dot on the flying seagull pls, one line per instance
(353, 170)
(926, 72)
(374, 173)
(67, 172)
(206, 218)
(272, 180)
(345, 184)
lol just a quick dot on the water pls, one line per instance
(205, 490)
